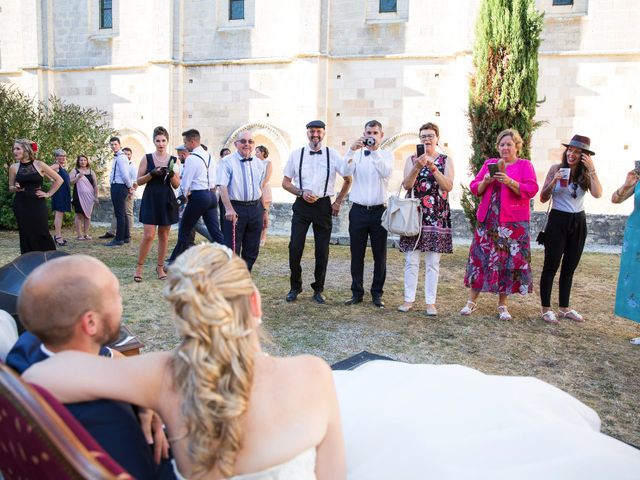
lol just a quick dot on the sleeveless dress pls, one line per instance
(83, 195)
(500, 253)
(267, 195)
(628, 291)
(450, 422)
(300, 467)
(31, 211)
(61, 200)
(159, 205)
(436, 214)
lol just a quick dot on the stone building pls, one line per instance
(226, 65)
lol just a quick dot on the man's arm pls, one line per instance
(346, 186)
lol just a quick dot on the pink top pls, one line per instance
(513, 208)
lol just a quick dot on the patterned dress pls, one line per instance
(500, 254)
(436, 214)
(628, 291)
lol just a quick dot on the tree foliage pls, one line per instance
(503, 90)
(51, 124)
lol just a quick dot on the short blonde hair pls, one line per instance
(57, 293)
(210, 290)
(513, 133)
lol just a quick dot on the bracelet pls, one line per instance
(591, 172)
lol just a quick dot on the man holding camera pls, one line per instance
(371, 169)
(198, 185)
(313, 169)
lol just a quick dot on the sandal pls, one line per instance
(80, 238)
(88, 237)
(405, 307)
(550, 317)
(137, 278)
(571, 315)
(504, 313)
(61, 242)
(469, 308)
(160, 272)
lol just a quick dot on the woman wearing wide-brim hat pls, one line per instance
(566, 229)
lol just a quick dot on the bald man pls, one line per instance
(74, 303)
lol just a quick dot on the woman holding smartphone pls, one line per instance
(159, 208)
(566, 231)
(500, 253)
(628, 291)
(430, 175)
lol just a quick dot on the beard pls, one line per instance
(109, 332)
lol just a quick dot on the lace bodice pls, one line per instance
(300, 467)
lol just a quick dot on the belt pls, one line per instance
(370, 207)
(249, 203)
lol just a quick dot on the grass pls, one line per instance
(592, 361)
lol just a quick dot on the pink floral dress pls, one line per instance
(500, 254)
(436, 214)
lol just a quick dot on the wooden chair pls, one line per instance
(40, 439)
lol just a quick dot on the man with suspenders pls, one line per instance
(198, 184)
(240, 178)
(310, 174)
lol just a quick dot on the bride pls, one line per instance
(229, 408)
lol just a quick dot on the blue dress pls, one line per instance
(61, 200)
(628, 291)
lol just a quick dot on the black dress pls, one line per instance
(31, 211)
(159, 205)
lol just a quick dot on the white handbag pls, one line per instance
(403, 216)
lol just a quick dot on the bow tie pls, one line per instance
(367, 153)
(246, 159)
(319, 152)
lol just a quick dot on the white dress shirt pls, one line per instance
(133, 172)
(242, 179)
(371, 175)
(199, 171)
(314, 170)
(120, 172)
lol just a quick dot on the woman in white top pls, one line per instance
(229, 408)
(262, 153)
(566, 229)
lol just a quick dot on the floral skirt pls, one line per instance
(500, 258)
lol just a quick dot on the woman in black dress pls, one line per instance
(61, 200)
(159, 206)
(29, 203)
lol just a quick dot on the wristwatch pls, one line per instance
(300, 192)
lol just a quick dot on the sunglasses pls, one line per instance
(574, 190)
(244, 141)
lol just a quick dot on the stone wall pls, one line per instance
(604, 230)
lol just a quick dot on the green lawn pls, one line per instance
(592, 361)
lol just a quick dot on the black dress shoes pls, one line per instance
(107, 235)
(353, 301)
(377, 301)
(292, 295)
(114, 243)
(318, 298)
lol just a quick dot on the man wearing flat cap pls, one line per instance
(310, 174)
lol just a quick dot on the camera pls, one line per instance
(369, 141)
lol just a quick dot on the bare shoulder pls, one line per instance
(308, 370)
(14, 166)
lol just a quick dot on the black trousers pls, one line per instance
(565, 235)
(119, 192)
(318, 215)
(202, 203)
(248, 230)
(364, 224)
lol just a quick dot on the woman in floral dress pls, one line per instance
(431, 177)
(500, 253)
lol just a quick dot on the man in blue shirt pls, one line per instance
(74, 303)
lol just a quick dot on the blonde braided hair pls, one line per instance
(210, 290)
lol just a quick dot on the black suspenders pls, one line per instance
(206, 166)
(326, 182)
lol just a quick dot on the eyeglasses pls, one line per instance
(574, 190)
(429, 136)
(244, 141)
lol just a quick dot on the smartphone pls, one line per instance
(420, 149)
(637, 167)
(493, 169)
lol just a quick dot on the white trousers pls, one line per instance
(431, 273)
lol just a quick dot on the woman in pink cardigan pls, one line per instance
(500, 254)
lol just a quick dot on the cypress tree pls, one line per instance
(503, 90)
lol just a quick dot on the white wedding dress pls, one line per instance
(441, 422)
